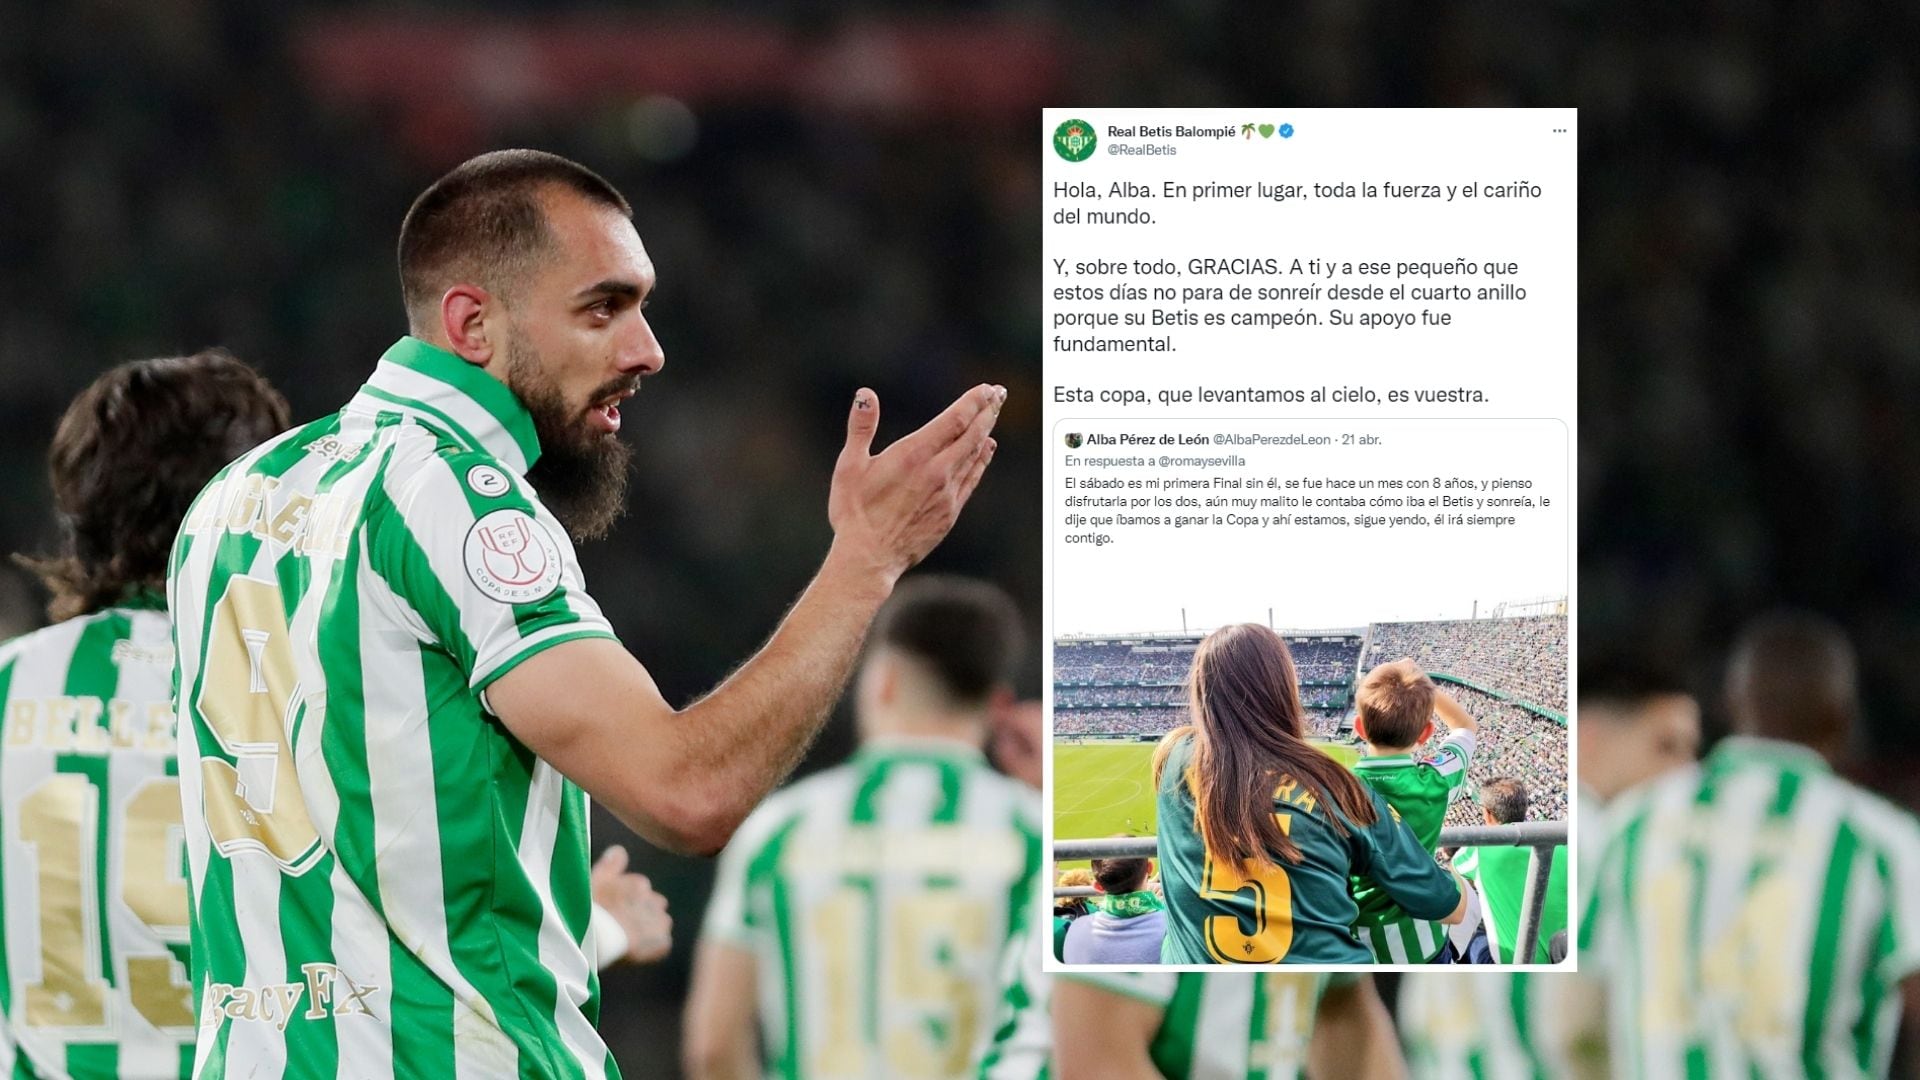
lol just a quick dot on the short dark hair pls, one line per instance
(1624, 680)
(1505, 798)
(1395, 702)
(1793, 675)
(966, 631)
(483, 222)
(1122, 875)
(127, 459)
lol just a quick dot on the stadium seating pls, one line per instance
(1510, 673)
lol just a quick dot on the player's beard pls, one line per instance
(582, 474)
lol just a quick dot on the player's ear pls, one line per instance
(1360, 728)
(464, 311)
(886, 681)
(1425, 734)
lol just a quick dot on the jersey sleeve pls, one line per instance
(1022, 1043)
(1467, 863)
(1389, 853)
(1897, 945)
(1450, 759)
(1154, 988)
(482, 569)
(730, 914)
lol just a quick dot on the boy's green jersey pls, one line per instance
(1289, 913)
(1420, 791)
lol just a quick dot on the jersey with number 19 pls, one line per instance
(877, 898)
(93, 977)
(385, 882)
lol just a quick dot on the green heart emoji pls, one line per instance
(1266, 131)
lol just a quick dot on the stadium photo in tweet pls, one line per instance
(1294, 789)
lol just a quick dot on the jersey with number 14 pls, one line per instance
(877, 898)
(1754, 916)
(385, 881)
(93, 977)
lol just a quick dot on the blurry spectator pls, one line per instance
(1068, 908)
(1128, 921)
(1501, 873)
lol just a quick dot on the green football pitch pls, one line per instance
(1101, 789)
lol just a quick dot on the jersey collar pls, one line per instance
(927, 747)
(1779, 751)
(446, 392)
(1384, 761)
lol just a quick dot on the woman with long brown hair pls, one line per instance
(1260, 830)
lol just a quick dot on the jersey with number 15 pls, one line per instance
(877, 898)
(93, 977)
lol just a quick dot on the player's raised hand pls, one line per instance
(889, 509)
(630, 899)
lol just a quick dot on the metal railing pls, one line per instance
(1541, 836)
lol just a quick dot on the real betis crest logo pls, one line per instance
(1074, 140)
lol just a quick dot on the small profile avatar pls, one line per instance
(1074, 439)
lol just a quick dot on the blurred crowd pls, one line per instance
(1512, 742)
(1524, 657)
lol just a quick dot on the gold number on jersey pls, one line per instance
(927, 931)
(152, 886)
(836, 924)
(1281, 1049)
(249, 683)
(1743, 964)
(1272, 910)
(923, 932)
(56, 820)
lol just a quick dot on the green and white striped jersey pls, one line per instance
(1022, 1044)
(1753, 917)
(1490, 1025)
(93, 976)
(385, 882)
(1226, 1025)
(877, 898)
(1419, 790)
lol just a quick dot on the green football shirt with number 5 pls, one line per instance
(1289, 913)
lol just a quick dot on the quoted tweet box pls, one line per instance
(1161, 525)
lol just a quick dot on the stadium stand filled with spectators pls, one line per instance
(1522, 657)
(1136, 686)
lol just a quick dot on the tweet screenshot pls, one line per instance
(1310, 426)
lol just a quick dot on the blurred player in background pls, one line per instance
(862, 913)
(1757, 915)
(395, 692)
(1225, 1025)
(94, 976)
(1637, 722)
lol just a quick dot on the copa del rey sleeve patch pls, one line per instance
(512, 558)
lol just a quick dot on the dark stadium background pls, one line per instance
(853, 197)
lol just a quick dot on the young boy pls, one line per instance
(1395, 707)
